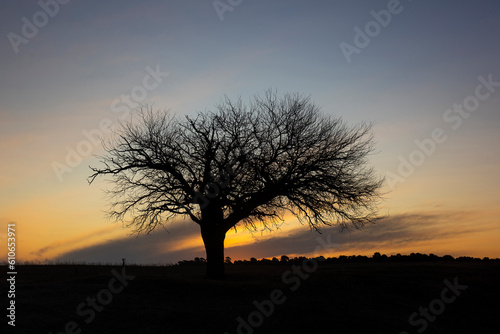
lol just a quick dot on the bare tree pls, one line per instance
(241, 164)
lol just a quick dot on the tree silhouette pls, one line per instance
(240, 165)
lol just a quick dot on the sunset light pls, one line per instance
(350, 127)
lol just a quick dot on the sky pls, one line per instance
(425, 73)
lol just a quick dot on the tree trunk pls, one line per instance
(213, 239)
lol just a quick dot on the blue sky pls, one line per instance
(429, 56)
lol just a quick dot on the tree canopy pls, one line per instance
(241, 164)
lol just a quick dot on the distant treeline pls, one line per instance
(284, 259)
(377, 257)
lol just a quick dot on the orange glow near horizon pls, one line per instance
(54, 218)
(35, 243)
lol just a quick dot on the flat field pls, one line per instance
(446, 297)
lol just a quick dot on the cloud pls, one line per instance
(73, 241)
(44, 250)
(183, 241)
(161, 246)
(393, 232)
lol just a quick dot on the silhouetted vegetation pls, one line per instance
(377, 257)
(284, 259)
(241, 165)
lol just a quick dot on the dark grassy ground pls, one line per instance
(336, 298)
